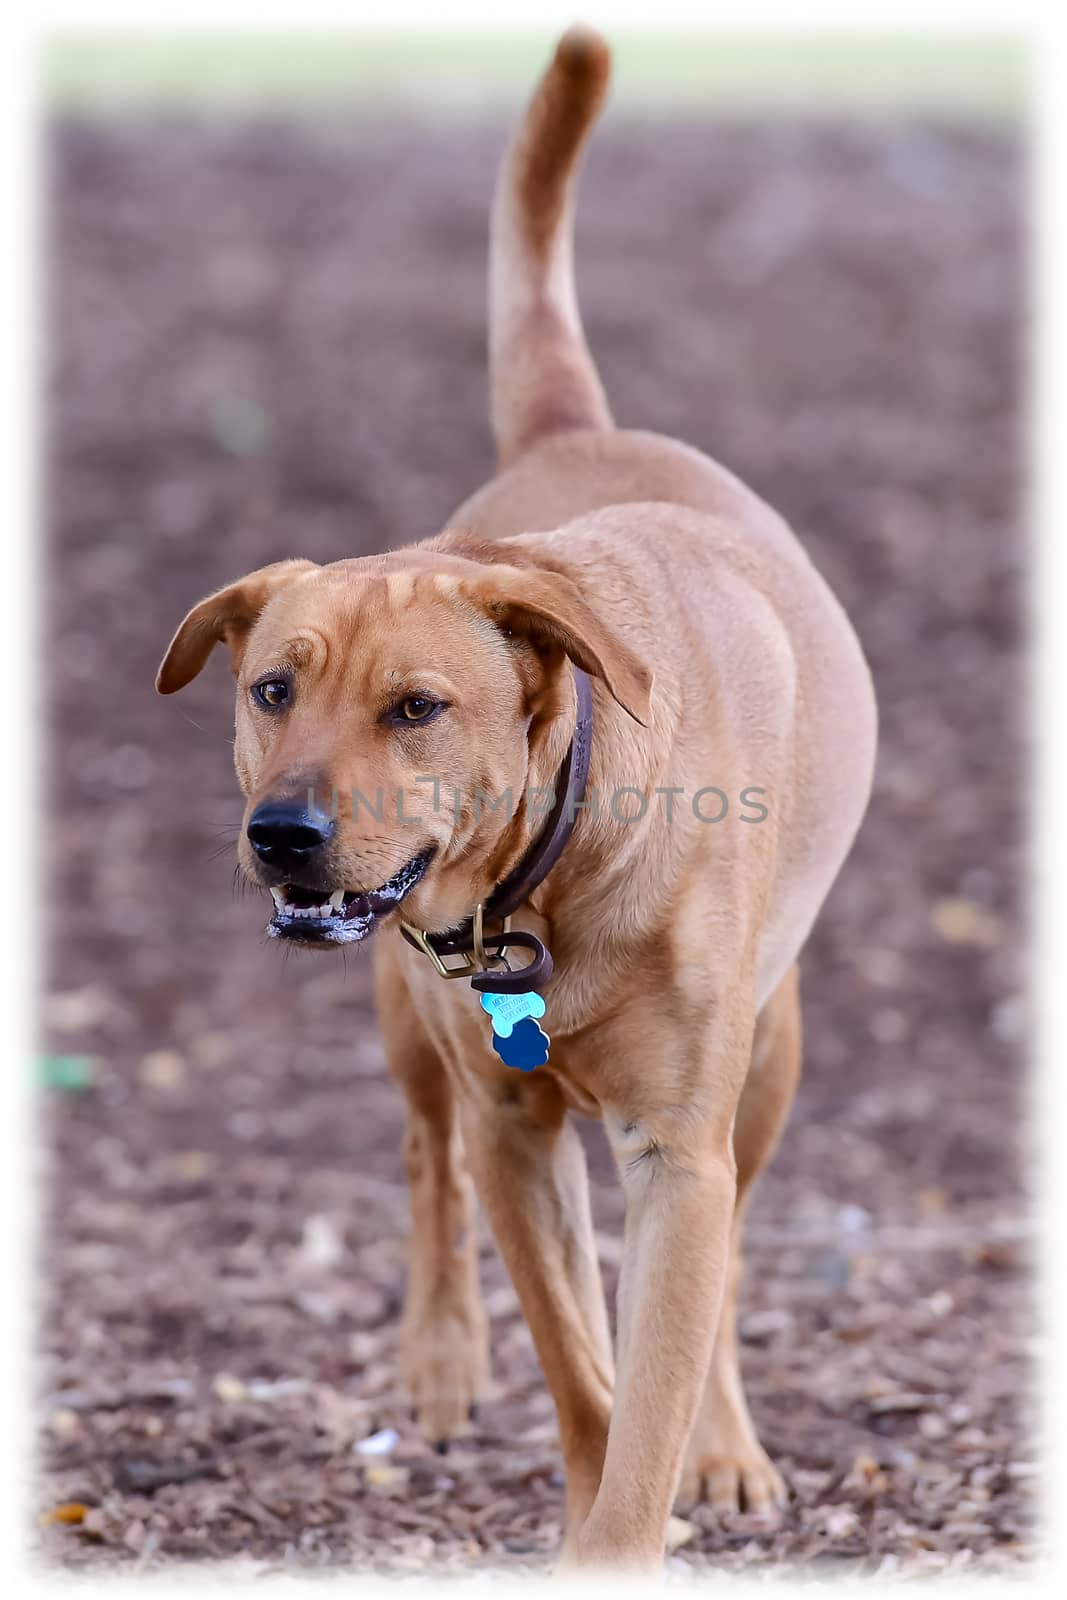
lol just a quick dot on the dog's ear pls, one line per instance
(225, 617)
(547, 609)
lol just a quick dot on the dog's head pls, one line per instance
(391, 714)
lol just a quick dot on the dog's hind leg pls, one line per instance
(724, 1455)
(444, 1351)
(542, 377)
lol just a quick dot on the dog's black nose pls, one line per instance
(286, 833)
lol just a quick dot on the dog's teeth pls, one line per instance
(332, 907)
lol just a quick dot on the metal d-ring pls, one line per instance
(515, 980)
(484, 960)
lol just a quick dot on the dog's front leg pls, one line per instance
(670, 1127)
(529, 1169)
(444, 1338)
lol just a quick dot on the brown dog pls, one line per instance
(723, 671)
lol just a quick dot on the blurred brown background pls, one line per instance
(267, 338)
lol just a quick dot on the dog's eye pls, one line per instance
(272, 693)
(418, 708)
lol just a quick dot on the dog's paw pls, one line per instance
(444, 1363)
(742, 1479)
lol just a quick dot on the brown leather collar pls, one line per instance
(531, 871)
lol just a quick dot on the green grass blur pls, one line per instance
(979, 75)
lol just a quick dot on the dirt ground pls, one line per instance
(267, 339)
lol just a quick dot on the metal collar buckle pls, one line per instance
(477, 959)
(486, 964)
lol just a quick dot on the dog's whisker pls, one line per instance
(208, 732)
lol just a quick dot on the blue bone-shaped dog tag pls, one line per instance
(517, 1039)
(525, 1047)
(507, 1009)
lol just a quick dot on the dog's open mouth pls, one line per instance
(340, 916)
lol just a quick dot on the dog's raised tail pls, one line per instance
(542, 377)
